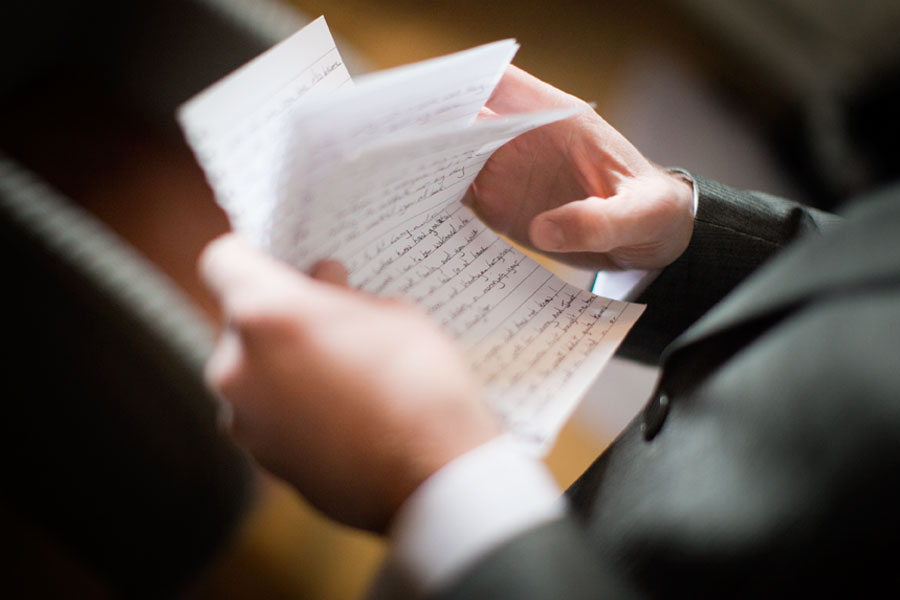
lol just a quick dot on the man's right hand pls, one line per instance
(352, 399)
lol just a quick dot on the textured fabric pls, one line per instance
(775, 468)
(734, 233)
(110, 439)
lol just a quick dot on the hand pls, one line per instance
(352, 399)
(577, 189)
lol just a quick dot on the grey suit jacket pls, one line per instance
(768, 460)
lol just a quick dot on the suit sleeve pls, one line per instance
(780, 447)
(734, 233)
(560, 561)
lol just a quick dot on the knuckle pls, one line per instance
(224, 375)
(584, 231)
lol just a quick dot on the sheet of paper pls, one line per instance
(236, 127)
(373, 175)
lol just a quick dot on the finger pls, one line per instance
(514, 92)
(493, 215)
(220, 371)
(590, 225)
(226, 263)
(487, 113)
(518, 91)
(468, 198)
(331, 271)
(233, 269)
(264, 298)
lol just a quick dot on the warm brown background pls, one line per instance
(151, 192)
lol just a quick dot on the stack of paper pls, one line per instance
(312, 166)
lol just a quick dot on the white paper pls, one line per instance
(236, 127)
(372, 174)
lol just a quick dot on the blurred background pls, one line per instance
(795, 97)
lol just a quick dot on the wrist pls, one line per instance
(472, 505)
(450, 435)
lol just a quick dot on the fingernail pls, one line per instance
(547, 235)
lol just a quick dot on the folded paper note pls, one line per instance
(311, 165)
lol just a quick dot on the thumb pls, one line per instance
(589, 225)
(487, 113)
(238, 274)
(251, 286)
(230, 262)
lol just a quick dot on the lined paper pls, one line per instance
(310, 166)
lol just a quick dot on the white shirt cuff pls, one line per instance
(472, 505)
(689, 179)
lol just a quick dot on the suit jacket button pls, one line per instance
(654, 415)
